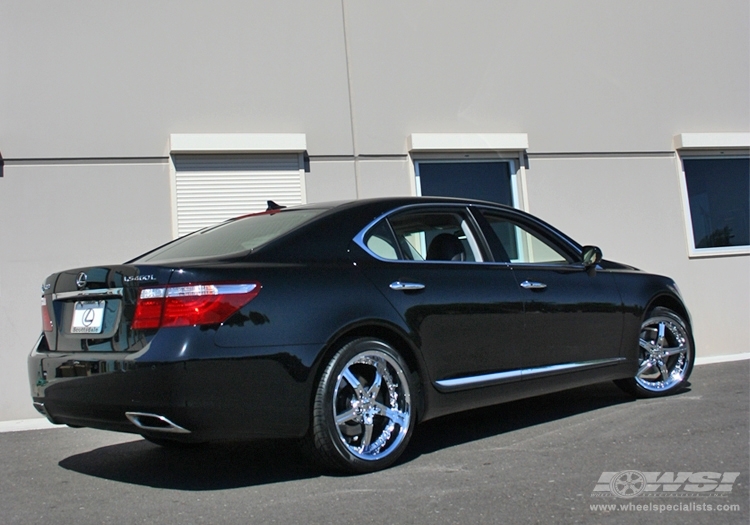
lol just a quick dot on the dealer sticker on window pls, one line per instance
(88, 317)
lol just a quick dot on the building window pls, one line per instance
(719, 197)
(715, 178)
(219, 176)
(483, 166)
(489, 180)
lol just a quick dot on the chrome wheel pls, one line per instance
(666, 353)
(371, 405)
(363, 414)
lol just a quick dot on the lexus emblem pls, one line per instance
(88, 317)
(81, 280)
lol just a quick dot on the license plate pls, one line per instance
(88, 317)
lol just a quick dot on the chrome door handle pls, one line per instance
(531, 285)
(401, 286)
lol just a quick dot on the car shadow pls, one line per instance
(482, 423)
(234, 465)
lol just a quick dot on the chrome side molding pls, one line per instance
(496, 378)
(154, 422)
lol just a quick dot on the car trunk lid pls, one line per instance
(92, 308)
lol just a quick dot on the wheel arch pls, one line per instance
(390, 334)
(673, 303)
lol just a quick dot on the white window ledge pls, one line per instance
(237, 142)
(711, 140)
(468, 142)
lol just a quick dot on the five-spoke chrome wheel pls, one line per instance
(363, 414)
(666, 355)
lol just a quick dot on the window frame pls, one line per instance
(477, 242)
(473, 147)
(279, 156)
(706, 150)
(544, 232)
(467, 159)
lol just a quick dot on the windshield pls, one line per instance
(234, 236)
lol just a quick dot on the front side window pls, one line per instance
(521, 245)
(718, 193)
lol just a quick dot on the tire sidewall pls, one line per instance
(343, 457)
(661, 311)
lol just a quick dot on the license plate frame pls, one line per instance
(88, 317)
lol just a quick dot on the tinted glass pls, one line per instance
(435, 236)
(487, 180)
(522, 246)
(234, 236)
(380, 241)
(719, 195)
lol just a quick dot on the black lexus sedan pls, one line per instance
(345, 324)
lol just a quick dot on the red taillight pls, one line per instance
(194, 304)
(46, 320)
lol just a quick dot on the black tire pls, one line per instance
(665, 358)
(367, 388)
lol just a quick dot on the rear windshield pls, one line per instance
(232, 237)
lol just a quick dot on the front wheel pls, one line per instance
(362, 414)
(666, 355)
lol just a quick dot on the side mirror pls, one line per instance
(591, 255)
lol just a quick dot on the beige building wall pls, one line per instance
(631, 207)
(93, 90)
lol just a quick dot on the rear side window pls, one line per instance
(424, 235)
(380, 241)
(232, 237)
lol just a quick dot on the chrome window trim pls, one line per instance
(550, 233)
(478, 236)
(461, 383)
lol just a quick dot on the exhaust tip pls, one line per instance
(155, 422)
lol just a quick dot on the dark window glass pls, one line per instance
(381, 242)
(485, 180)
(435, 236)
(234, 236)
(522, 246)
(719, 194)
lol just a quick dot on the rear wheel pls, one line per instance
(362, 413)
(666, 355)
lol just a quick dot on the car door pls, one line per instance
(464, 310)
(572, 314)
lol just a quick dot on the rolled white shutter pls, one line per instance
(211, 188)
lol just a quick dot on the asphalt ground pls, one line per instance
(532, 461)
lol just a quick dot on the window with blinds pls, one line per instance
(210, 188)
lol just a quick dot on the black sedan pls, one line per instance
(345, 324)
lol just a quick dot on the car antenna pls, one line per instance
(273, 206)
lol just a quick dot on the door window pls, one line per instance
(425, 235)
(522, 246)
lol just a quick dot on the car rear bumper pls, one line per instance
(246, 397)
